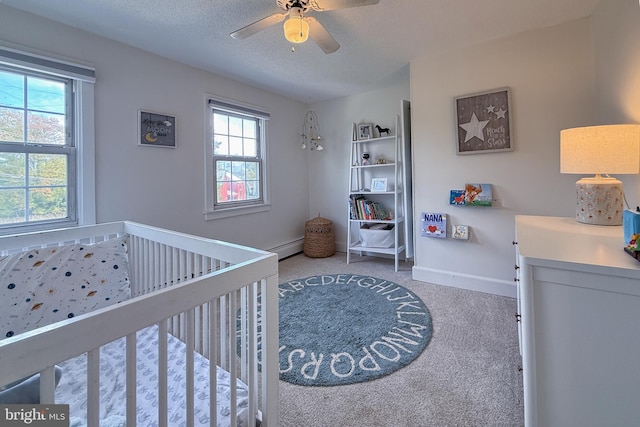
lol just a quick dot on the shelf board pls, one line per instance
(357, 247)
(372, 166)
(382, 138)
(382, 221)
(357, 193)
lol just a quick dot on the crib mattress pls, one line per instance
(72, 387)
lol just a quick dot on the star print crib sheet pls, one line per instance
(71, 389)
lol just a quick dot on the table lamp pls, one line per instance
(600, 150)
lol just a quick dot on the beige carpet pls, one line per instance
(467, 376)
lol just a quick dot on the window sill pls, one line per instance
(243, 210)
(36, 227)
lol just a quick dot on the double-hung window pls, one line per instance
(40, 120)
(236, 148)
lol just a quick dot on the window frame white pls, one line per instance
(82, 116)
(213, 211)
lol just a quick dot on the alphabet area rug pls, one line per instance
(344, 329)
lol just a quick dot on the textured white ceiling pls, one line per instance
(376, 41)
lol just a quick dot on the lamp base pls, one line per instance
(599, 201)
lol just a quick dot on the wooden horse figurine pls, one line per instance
(382, 130)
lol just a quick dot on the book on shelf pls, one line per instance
(360, 208)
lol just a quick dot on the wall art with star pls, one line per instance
(483, 122)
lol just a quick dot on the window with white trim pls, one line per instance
(41, 165)
(236, 159)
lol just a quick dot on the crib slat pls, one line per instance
(269, 328)
(252, 358)
(223, 333)
(131, 380)
(189, 366)
(232, 360)
(47, 385)
(174, 278)
(93, 387)
(198, 329)
(163, 401)
(243, 333)
(213, 375)
(205, 326)
(156, 267)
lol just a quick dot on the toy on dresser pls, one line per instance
(633, 246)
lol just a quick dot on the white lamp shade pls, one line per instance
(610, 149)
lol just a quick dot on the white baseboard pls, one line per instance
(465, 281)
(287, 249)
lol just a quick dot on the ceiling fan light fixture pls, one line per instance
(296, 29)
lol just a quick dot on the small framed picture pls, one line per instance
(156, 129)
(365, 131)
(378, 185)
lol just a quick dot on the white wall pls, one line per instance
(165, 187)
(329, 169)
(616, 29)
(551, 76)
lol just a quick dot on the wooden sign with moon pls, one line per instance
(156, 129)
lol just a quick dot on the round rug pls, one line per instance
(343, 329)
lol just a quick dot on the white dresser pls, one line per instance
(579, 306)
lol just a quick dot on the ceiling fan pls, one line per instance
(299, 26)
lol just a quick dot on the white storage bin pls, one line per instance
(377, 238)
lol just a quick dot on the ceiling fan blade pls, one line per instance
(257, 26)
(321, 36)
(322, 5)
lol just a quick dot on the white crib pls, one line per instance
(219, 299)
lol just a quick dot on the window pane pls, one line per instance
(235, 126)
(253, 170)
(43, 128)
(12, 170)
(11, 125)
(238, 169)
(223, 171)
(235, 146)
(45, 95)
(220, 145)
(249, 129)
(11, 89)
(220, 123)
(250, 147)
(47, 170)
(12, 205)
(47, 203)
(253, 190)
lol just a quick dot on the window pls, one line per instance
(235, 160)
(41, 163)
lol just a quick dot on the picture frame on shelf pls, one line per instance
(365, 131)
(156, 129)
(379, 185)
(478, 194)
(456, 197)
(483, 122)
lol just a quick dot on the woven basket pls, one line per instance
(319, 240)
